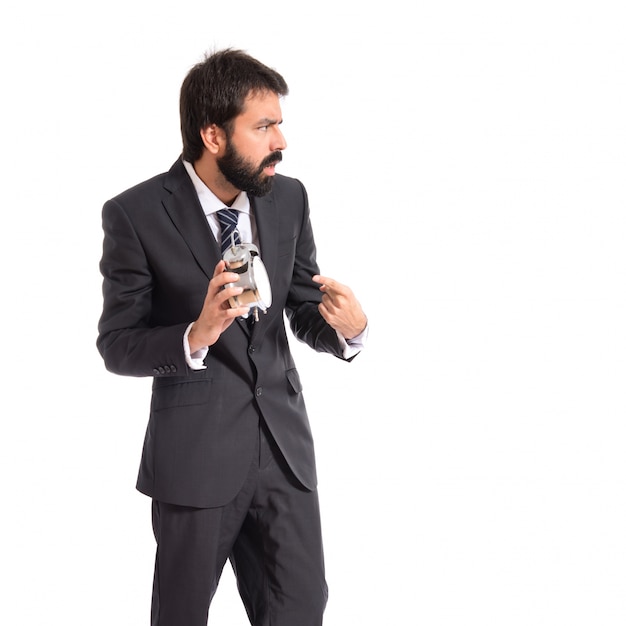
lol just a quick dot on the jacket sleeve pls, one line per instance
(126, 340)
(305, 320)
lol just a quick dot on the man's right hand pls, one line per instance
(216, 315)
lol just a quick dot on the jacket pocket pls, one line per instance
(181, 394)
(294, 380)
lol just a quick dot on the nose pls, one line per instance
(278, 139)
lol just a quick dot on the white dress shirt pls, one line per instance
(210, 204)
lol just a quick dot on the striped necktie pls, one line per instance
(228, 223)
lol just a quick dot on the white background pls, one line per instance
(472, 460)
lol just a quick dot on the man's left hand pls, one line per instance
(340, 308)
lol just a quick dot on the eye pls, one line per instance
(263, 128)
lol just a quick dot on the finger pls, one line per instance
(332, 286)
(325, 281)
(239, 311)
(219, 268)
(323, 309)
(224, 295)
(328, 302)
(221, 276)
(327, 285)
(225, 278)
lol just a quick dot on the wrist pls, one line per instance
(195, 340)
(362, 327)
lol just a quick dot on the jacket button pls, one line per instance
(173, 369)
(161, 370)
(259, 391)
(251, 349)
(155, 371)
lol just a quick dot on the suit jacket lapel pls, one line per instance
(183, 207)
(266, 217)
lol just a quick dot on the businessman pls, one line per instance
(228, 457)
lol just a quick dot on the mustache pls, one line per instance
(271, 159)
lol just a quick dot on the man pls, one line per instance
(228, 458)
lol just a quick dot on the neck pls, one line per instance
(210, 174)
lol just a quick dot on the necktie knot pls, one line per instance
(228, 219)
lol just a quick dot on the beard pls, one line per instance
(245, 175)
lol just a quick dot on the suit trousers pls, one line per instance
(270, 532)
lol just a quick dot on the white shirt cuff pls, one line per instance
(354, 345)
(195, 360)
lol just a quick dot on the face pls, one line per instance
(254, 147)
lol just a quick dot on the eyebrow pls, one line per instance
(266, 121)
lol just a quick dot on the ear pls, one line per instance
(213, 138)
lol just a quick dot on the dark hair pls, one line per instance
(214, 92)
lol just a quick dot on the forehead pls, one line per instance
(261, 105)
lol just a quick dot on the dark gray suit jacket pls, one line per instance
(158, 256)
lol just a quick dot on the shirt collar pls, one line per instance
(208, 200)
